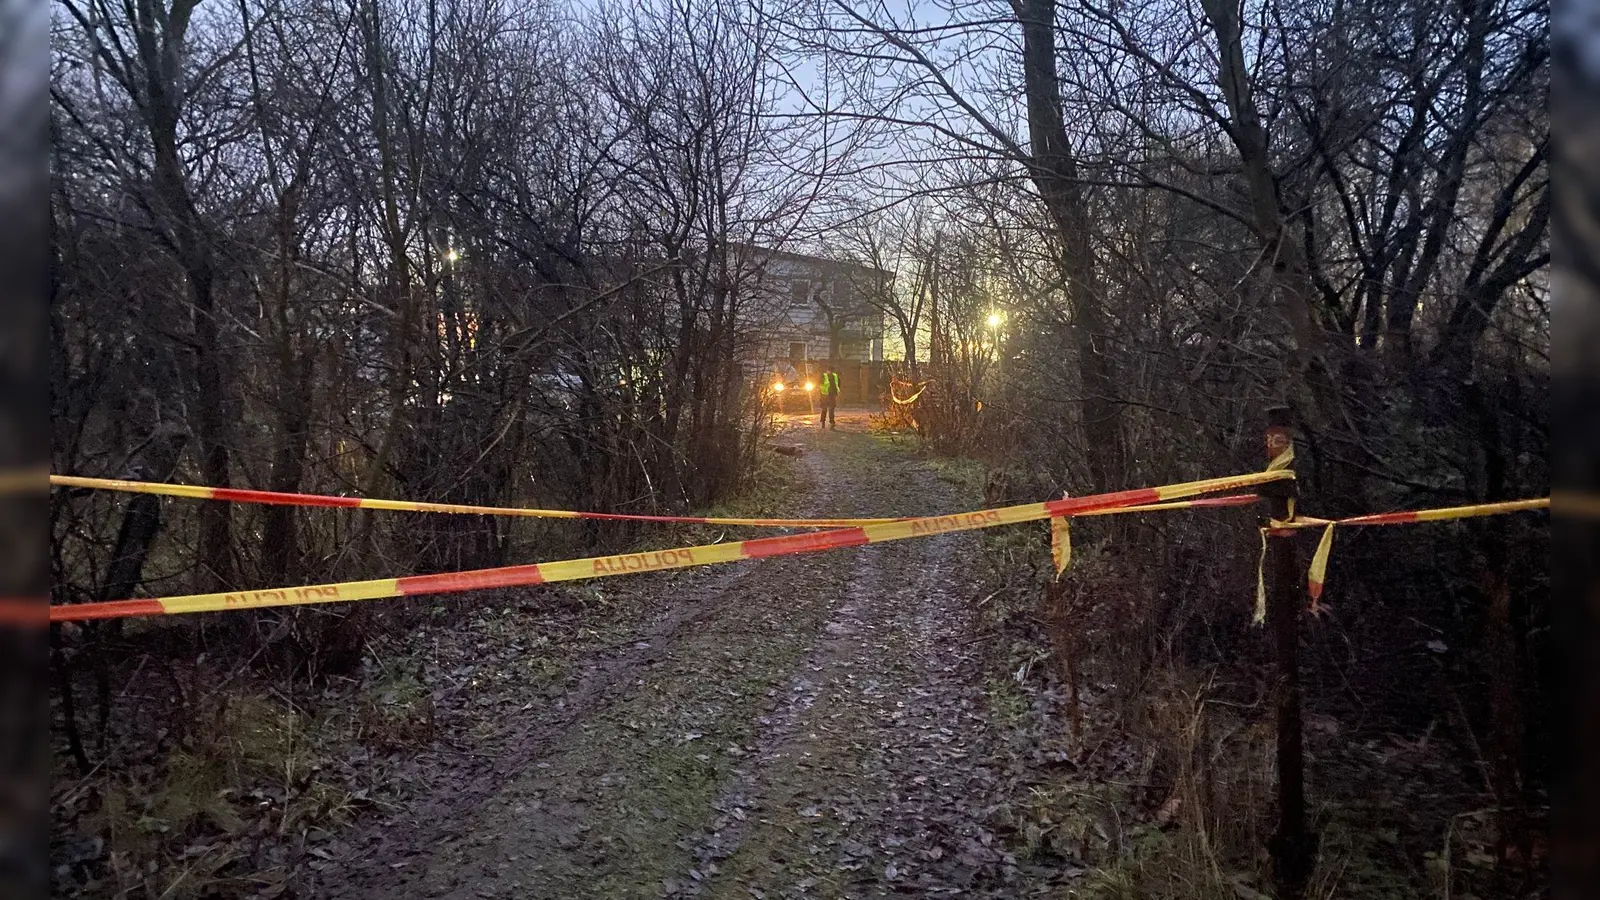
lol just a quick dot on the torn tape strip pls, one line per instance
(1060, 544)
(1317, 575)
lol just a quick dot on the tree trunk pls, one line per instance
(1054, 170)
(397, 281)
(141, 522)
(160, 34)
(142, 519)
(280, 540)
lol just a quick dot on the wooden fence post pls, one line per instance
(1292, 847)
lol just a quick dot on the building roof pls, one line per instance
(791, 256)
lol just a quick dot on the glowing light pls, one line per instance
(995, 320)
(777, 387)
(810, 386)
(451, 255)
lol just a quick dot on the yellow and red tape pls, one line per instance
(281, 498)
(1317, 575)
(920, 387)
(854, 532)
(660, 560)
(1061, 533)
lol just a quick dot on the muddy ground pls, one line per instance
(812, 726)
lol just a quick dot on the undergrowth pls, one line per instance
(1156, 690)
(221, 787)
(249, 769)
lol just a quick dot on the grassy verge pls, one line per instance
(968, 474)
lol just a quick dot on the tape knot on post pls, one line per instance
(1284, 460)
(1279, 446)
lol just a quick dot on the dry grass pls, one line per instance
(1213, 770)
(249, 772)
(1171, 795)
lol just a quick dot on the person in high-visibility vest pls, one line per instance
(830, 397)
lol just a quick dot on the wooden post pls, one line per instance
(1292, 847)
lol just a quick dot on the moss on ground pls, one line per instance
(964, 472)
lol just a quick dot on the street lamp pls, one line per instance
(994, 322)
(451, 255)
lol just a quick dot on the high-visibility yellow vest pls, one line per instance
(830, 383)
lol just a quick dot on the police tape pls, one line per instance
(1060, 545)
(658, 560)
(1201, 503)
(1061, 533)
(283, 498)
(920, 386)
(1317, 574)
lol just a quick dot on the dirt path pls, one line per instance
(808, 726)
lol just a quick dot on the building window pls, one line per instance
(797, 350)
(800, 294)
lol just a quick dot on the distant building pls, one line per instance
(807, 309)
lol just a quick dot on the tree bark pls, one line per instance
(1054, 170)
(160, 34)
(141, 520)
(397, 281)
